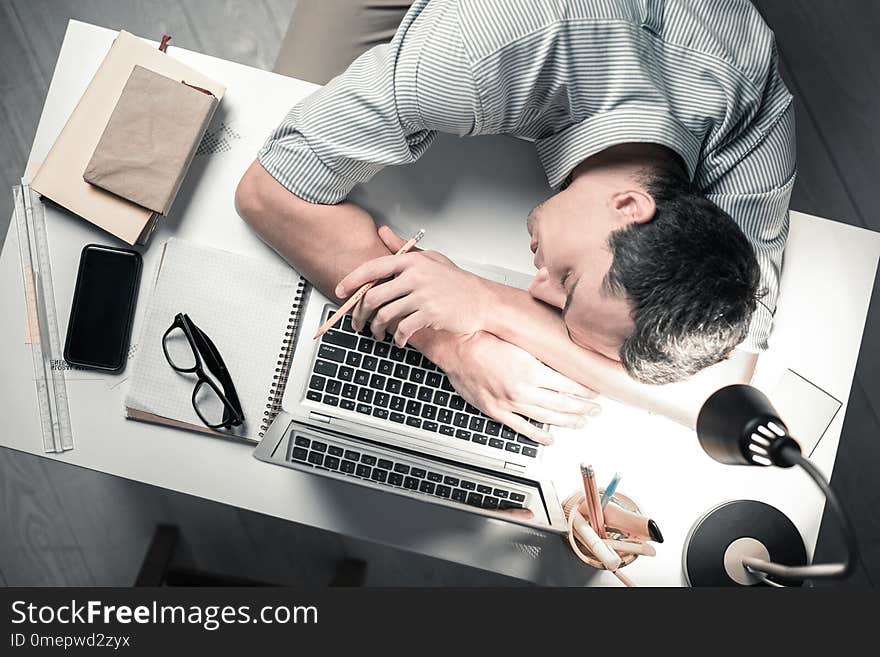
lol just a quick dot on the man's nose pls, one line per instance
(543, 288)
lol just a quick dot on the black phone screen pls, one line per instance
(103, 307)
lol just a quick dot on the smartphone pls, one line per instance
(103, 307)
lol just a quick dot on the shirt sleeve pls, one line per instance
(384, 110)
(755, 192)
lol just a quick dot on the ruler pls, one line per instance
(45, 343)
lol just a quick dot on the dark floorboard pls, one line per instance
(39, 545)
(834, 57)
(65, 525)
(855, 482)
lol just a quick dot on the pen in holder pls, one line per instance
(583, 551)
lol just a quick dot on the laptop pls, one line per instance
(372, 414)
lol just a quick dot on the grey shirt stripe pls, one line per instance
(575, 77)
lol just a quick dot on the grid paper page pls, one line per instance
(243, 304)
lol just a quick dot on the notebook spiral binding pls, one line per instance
(282, 365)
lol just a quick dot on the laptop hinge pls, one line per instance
(514, 467)
(319, 417)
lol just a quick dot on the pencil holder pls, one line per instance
(581, 550)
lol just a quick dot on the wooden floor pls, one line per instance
(63, 525)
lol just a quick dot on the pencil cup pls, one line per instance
(581, 550)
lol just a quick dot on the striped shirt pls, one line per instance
(576, 77)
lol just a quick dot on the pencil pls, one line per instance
(352, 302)
(588, 501)
(592, 494)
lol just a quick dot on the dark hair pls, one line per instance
(691, 277)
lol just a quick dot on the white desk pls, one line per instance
(482, 189)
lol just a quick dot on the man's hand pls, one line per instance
(509, 384)
(421, 289)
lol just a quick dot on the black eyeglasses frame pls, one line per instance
(204, 351)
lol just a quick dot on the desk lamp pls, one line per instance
(739, 542)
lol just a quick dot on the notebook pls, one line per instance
(249, 307)
(60, 177)
(150, 139)
(808, 409)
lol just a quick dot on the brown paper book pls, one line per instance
(60, 178)
(151, 139)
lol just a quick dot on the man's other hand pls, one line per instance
(421, 289)
(509, 384)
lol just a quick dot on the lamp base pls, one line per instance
(719, 540)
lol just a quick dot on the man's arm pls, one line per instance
(322, 242)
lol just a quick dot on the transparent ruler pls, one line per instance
(45, 343)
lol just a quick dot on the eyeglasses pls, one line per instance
(214, 398)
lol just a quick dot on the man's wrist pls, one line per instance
(438, 346)
(497, 307)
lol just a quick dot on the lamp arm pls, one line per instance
(792, 456)
(813, 571)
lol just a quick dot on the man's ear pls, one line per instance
(634, 206)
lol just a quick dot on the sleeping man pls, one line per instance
(668, 135)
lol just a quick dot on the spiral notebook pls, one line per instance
(249, 307)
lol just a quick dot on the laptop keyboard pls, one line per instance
(397, 472)
(355, 372)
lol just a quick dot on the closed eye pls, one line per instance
(569, 293)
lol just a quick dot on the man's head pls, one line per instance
(646, 270)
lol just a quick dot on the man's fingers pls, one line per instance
(389, 316)
(408, 326)
(376, 297)
(372, 270)
(562, 402)
(519, 514)
(541, 414)
(392, 240)
(526, 428)
(553, 380)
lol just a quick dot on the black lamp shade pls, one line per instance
(739, 426)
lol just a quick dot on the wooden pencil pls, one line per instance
(353, 300)
(592, 494)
